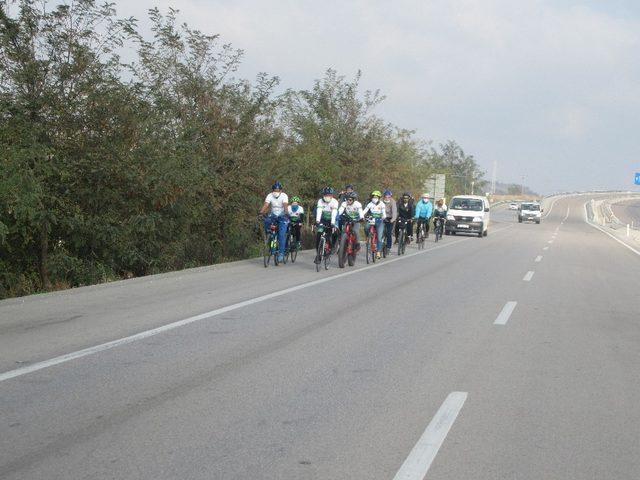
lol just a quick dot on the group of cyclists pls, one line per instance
(381, 210)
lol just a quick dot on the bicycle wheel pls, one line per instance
(400, 241)
(266, 252)
(328, 249)
(319, 253)
(274, 252)
(294, 250)
(437, 234)
(342, 253)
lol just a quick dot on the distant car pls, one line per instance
(513, 206)
(529, 212)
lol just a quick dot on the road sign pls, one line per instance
(435, 185)
(637, 178)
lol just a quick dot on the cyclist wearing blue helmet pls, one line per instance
(278, 202)
(326, 214)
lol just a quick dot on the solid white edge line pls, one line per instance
(219, 311)
(546, 248)
(417, 464)
(538, 259)
(586, 219)
(506, 312)
(528, 276)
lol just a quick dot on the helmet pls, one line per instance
(387, 193)
(407, 194)
(276, 186)
(425, 195)
(376, 193)
(352, 195)
(328, 191)
(295, 199)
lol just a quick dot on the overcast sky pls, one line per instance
(548, 89)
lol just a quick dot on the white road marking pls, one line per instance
(528, 276)
(546, 248)
(586, 219)
(538, 259)
(550, 241)
(219, 311)
(417, 464)
(505, 314)
(567, 215)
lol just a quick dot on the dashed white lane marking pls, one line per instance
(567, 215)
(180, 323)
(528, 276)
(546, 248)
(538, 259)
(505, 314)
(550, 241)
(417, 464)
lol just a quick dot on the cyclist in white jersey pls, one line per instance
(352, 209)
(378, 210)
(326, 214)
(278, 202)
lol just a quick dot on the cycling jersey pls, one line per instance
(353, 211)
(440, 212)
(297, 216)
(277, 204)
(327, 211)
(377, 210)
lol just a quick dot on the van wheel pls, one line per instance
(486, 232)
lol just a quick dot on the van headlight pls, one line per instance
(450, 217)
(477, 219)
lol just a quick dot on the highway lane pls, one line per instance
(339, 380)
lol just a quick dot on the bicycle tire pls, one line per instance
(266, 253)
(342, 252)
(294, 253)
(400, 241)
(319, 253)
(367, 251)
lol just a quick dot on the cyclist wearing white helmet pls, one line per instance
(277, 201)
(424, 209)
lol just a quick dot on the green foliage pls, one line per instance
(112, 170)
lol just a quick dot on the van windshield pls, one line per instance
(531, 206)
(466, 204)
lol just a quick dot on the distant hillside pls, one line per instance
(513, 189)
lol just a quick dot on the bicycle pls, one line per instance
(270, 245)
(438, 227)
(388, 229)
(420, 234)
(348, 243)
(372, 240)
(402, 235)
(323, 252)
(291, 250)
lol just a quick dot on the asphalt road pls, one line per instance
(340, 378)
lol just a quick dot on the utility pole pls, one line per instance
(493, 177)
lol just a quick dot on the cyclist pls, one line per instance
(376, 209)
(352, 208)
(326, 214)
(278, 202)
(406, 212)
(440, 211)
(348, 188)
(391, 214)
(423, 212)
(296, 217)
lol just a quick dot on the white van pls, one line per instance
(529, 212)
(468, 214)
